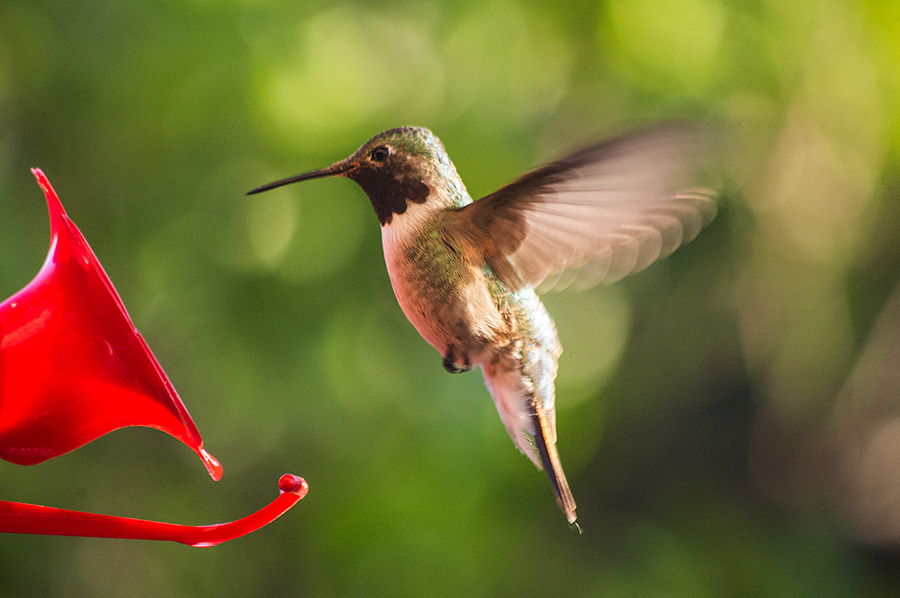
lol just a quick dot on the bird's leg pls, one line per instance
(449, 363)
(451, 367)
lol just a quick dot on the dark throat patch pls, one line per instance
(390, 191)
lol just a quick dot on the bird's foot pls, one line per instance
(453, 368)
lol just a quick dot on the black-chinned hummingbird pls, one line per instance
(465, 272)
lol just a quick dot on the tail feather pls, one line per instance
(529, 425)
(512, 399)
(552, 464)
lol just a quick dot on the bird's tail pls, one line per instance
(530, 425)
(552, 464)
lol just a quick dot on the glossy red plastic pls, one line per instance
(72, 368)
(72, 365)
(22, 518)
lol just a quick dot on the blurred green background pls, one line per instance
(729, 419)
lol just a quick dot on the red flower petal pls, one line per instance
(72, 365)
(22, 518)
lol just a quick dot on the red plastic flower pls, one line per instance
(72, 368)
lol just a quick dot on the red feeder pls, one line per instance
(72, 368)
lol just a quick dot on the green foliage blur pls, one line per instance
(729, 419)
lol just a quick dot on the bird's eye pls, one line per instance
(379, 154)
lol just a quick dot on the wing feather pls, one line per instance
(609, 210)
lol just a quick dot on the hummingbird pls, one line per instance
(465, 272)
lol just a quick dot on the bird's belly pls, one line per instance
(449, 305)
(425, 317)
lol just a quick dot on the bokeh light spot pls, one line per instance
(271, 227)
(665, 43)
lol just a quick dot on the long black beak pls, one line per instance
(336, 169)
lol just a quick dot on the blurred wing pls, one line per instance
(607, 211)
